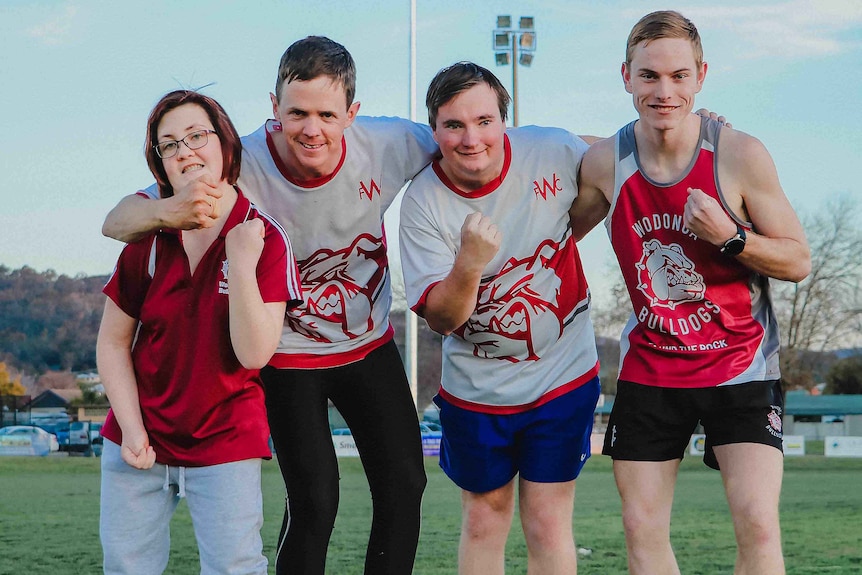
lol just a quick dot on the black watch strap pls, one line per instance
(735, 245)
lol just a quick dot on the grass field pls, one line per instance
(49, 515)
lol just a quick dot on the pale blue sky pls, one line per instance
(80, 77)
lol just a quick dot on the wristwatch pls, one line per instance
(735, 245)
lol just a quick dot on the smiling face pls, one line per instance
(470, 133)
(190, 164)
(663, 78)
(313, 116)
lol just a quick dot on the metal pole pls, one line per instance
(515, 80)
(410, 323)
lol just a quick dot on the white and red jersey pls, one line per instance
(336, 228)
(699, 317)
(529, 338)
(200, 406)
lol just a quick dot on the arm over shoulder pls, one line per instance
(595, 188)
(195, 206)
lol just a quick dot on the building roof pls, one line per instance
(804, 404)
(55, 398)
(796, 403)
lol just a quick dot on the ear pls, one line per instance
(627, 77)
(701, 76)
(274, 101)
(352, 111)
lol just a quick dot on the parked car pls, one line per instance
(56, 423)
(27, 440)
(428, 430)
(430, 439)
(96, 438)
(61, 430)
(85, 437)
(433, 426)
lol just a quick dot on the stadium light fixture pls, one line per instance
(514, 46)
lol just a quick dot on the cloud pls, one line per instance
(799, 28)
(789, 29)
(57, 29)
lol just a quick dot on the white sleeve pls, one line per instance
(151, 192)
(420, 149)
(427, 255)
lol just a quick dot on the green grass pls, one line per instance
(49, 519)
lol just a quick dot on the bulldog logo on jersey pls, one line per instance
(666, 275)
(512, 321)
(341, 287)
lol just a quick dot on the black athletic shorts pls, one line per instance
(651, 423)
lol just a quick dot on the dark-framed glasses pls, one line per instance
(193, 141)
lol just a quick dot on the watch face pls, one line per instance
(733, 246)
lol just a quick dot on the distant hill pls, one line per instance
(49, 321)
(842, 353)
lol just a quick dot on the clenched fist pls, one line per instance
(244, 243)
(480, 239)
(195, 205)
(705, 217)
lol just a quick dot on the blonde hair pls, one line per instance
(664, 24)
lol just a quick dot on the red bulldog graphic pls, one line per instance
(340, 288)
(514, 321)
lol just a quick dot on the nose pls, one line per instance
(470, 137)
(664, 89)
(311, 126)
(183, 150)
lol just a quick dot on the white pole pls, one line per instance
(515, 80)
(411, 326)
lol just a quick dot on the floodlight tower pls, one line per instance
(515, 45)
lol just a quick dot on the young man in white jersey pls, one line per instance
(489, 261)
(327, 175)
(699, 222)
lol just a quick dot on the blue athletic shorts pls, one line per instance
(548, 444)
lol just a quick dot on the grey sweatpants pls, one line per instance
(224, 500)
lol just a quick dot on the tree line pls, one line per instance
(49, 322)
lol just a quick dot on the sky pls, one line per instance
(80, 77)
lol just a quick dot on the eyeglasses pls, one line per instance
(193, 141)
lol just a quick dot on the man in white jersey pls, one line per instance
(699, 222)
(327, 175)
(490, 262)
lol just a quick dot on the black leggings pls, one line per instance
(374, 397)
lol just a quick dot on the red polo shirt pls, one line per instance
(200, 406)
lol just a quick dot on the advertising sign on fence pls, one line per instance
(344, 446)
(697, 444)
(794, 445)
(842, 446)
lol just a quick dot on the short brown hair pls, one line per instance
(460, 77)
(317, 56)
(231, 146)
(664, 24)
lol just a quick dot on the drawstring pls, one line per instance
(182, 491)
(181, 485)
